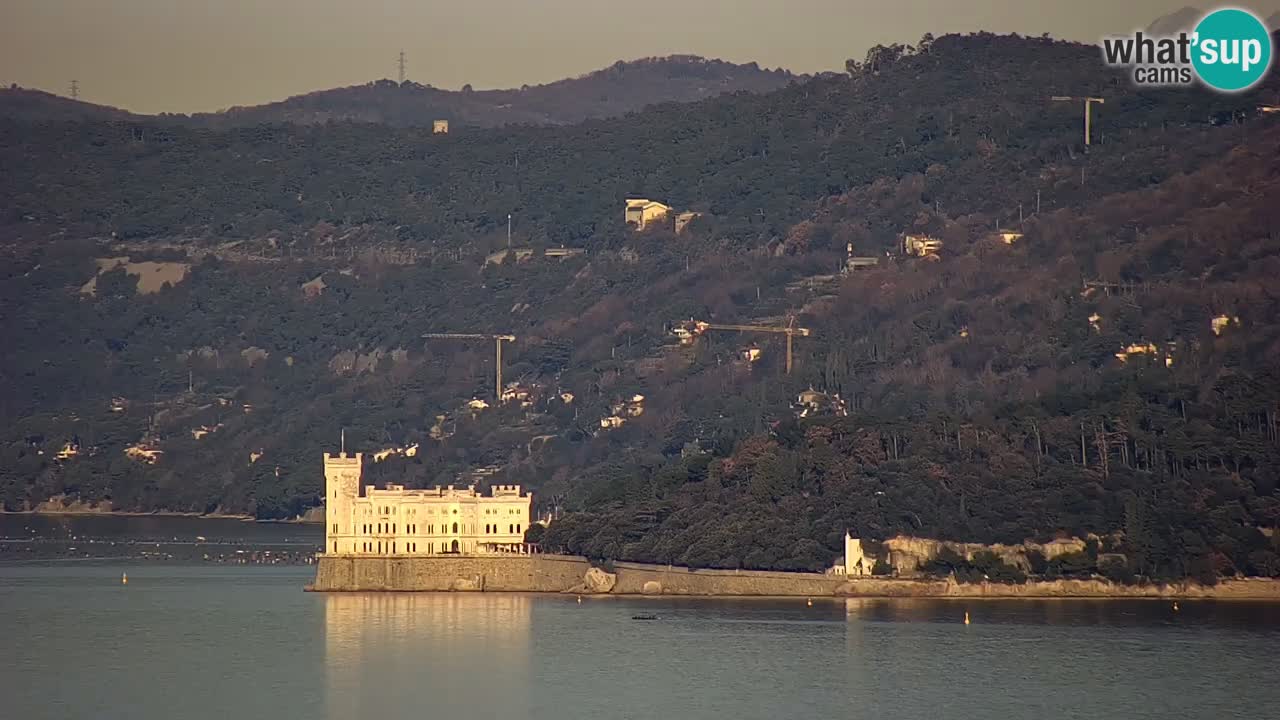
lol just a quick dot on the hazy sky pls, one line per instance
(196, 55)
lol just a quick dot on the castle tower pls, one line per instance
(856, 561)
(341, 488)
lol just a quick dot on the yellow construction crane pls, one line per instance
(687, 333)
(1088, 102)
(497, 344)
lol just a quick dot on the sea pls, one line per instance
(200, 630)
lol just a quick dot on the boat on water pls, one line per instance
(644, 617)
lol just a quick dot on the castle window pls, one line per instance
(517, 528)
(335, 547)
(455, 528)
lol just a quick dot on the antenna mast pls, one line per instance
(75, 89)
(344, 441)
(401, 64)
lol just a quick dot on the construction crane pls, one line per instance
(1088, 102)
(497, 344)
(688, 332)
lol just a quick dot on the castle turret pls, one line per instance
(341, 488)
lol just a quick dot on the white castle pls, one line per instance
(396, 521)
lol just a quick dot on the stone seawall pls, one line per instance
(562, 573)
(640, 579)
(517, 573)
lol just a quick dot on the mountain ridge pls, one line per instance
(622, 87)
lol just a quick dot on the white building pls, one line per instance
(641, 212)
(398, 521)
(856, 561)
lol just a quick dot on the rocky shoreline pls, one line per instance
(1235, 589)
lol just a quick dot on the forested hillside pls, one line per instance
(985, 399)
(616, 90)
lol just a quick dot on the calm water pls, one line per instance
(88, 538)
(245, 642)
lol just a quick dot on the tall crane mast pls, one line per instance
(497, 344)
(790, 330)
(1088, 102)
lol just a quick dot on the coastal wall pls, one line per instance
(1249, 589)
(562, 573)
(640, 579)
(516, 573)
(551, 573)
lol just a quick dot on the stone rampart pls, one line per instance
(562, 573)
(1247, 589)
(508, 573)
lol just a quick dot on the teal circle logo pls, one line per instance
(1231, 50)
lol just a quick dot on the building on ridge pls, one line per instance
(641, 212)
(439, 521)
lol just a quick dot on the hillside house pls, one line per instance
(518, 392)
(642, 212)
(1008, 237)
(199, 433)
(440, 127)
(68, 451)
(683, 220)
(143, 454)
(920, 245)
(1143, 349)
(812, 403)
(686, 332)
(629, 408)
(853, 262)
(1222, 322)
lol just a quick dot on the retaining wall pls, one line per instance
(633, 578)
(563, 573)
(516, 573)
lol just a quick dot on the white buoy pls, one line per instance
(124, 578)
(1175, 606)
(579, 598)
(966, 617)
(809, 602)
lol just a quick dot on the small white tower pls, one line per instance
(342, 474)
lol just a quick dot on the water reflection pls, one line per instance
(1254, 616)
(382, 650)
